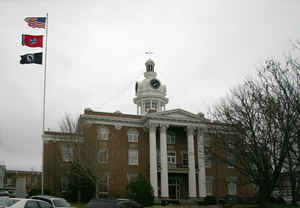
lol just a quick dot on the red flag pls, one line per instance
(32, 40)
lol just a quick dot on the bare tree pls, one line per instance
(258, 122)
(83, 166)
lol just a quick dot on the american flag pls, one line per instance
(36, 21)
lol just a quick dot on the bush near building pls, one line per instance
(141, 191)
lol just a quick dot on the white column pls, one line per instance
(153, 160)
(137, 109)
(191, 161)
(164, 162)
(158, 106)
(201, 164)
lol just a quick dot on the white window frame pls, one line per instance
(230, 157)
(171, 159)
(103, 133)
(206, 142)
(105, 152)
(104, 183)
(154, 105)
(171, 138)
(147, 106)
(232, 189)
(133, 136)
(67, 152)
(207, 161)
(184, 157)
(209, 187)
(133, 157)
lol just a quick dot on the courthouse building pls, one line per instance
(166, 146)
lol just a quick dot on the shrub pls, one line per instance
(141, 191)
(277, 200)
(209, 200)
(36, 191)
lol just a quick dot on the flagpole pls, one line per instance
(44, 101)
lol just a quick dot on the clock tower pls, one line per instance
(150, 93)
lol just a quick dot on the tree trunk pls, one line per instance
(79, 195)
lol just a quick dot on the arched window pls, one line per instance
(103, 133)
(171, 138)
(133, 136)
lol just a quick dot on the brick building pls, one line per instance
(31, 178)
(166, 146)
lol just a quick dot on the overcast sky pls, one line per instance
(96, 53)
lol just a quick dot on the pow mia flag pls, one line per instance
(32, 58)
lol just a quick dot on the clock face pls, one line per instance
(155, 83)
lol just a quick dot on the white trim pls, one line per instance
(59, 138)
(137, 155)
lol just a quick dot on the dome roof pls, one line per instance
(150, 61)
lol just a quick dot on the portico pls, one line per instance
(191, 127)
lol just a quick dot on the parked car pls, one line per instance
(5, 202)
(113, 203)
(29, 203)
(55, 202)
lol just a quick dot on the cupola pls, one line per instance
(150, 93)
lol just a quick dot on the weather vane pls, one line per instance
(149, 52)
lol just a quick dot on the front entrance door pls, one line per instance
(174, 188)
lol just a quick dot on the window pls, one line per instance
(170, 138)
(171, 159)
(67, 152)
(64, 183)
(230, 158)
(61, 203)
(206, 142)
(132, 177)
(209, 185)
(103, 184)
(133, 136)
(35, 180)
(44, 204)
(207, 161)
(133, 157)
(28, 179)
(231, 188)
(184, 159)
(103, 155)
(31, 204)
(154, 105)
(147, 106)
(103, 133)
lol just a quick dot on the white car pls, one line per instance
(29, 203)
(55, 202)
(5, 202)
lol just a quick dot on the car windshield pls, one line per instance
(61, 203)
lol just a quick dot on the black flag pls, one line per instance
(32, 58)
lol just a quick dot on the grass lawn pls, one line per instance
(78, 205)
(81, 205)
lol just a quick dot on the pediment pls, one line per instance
(175, 114)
